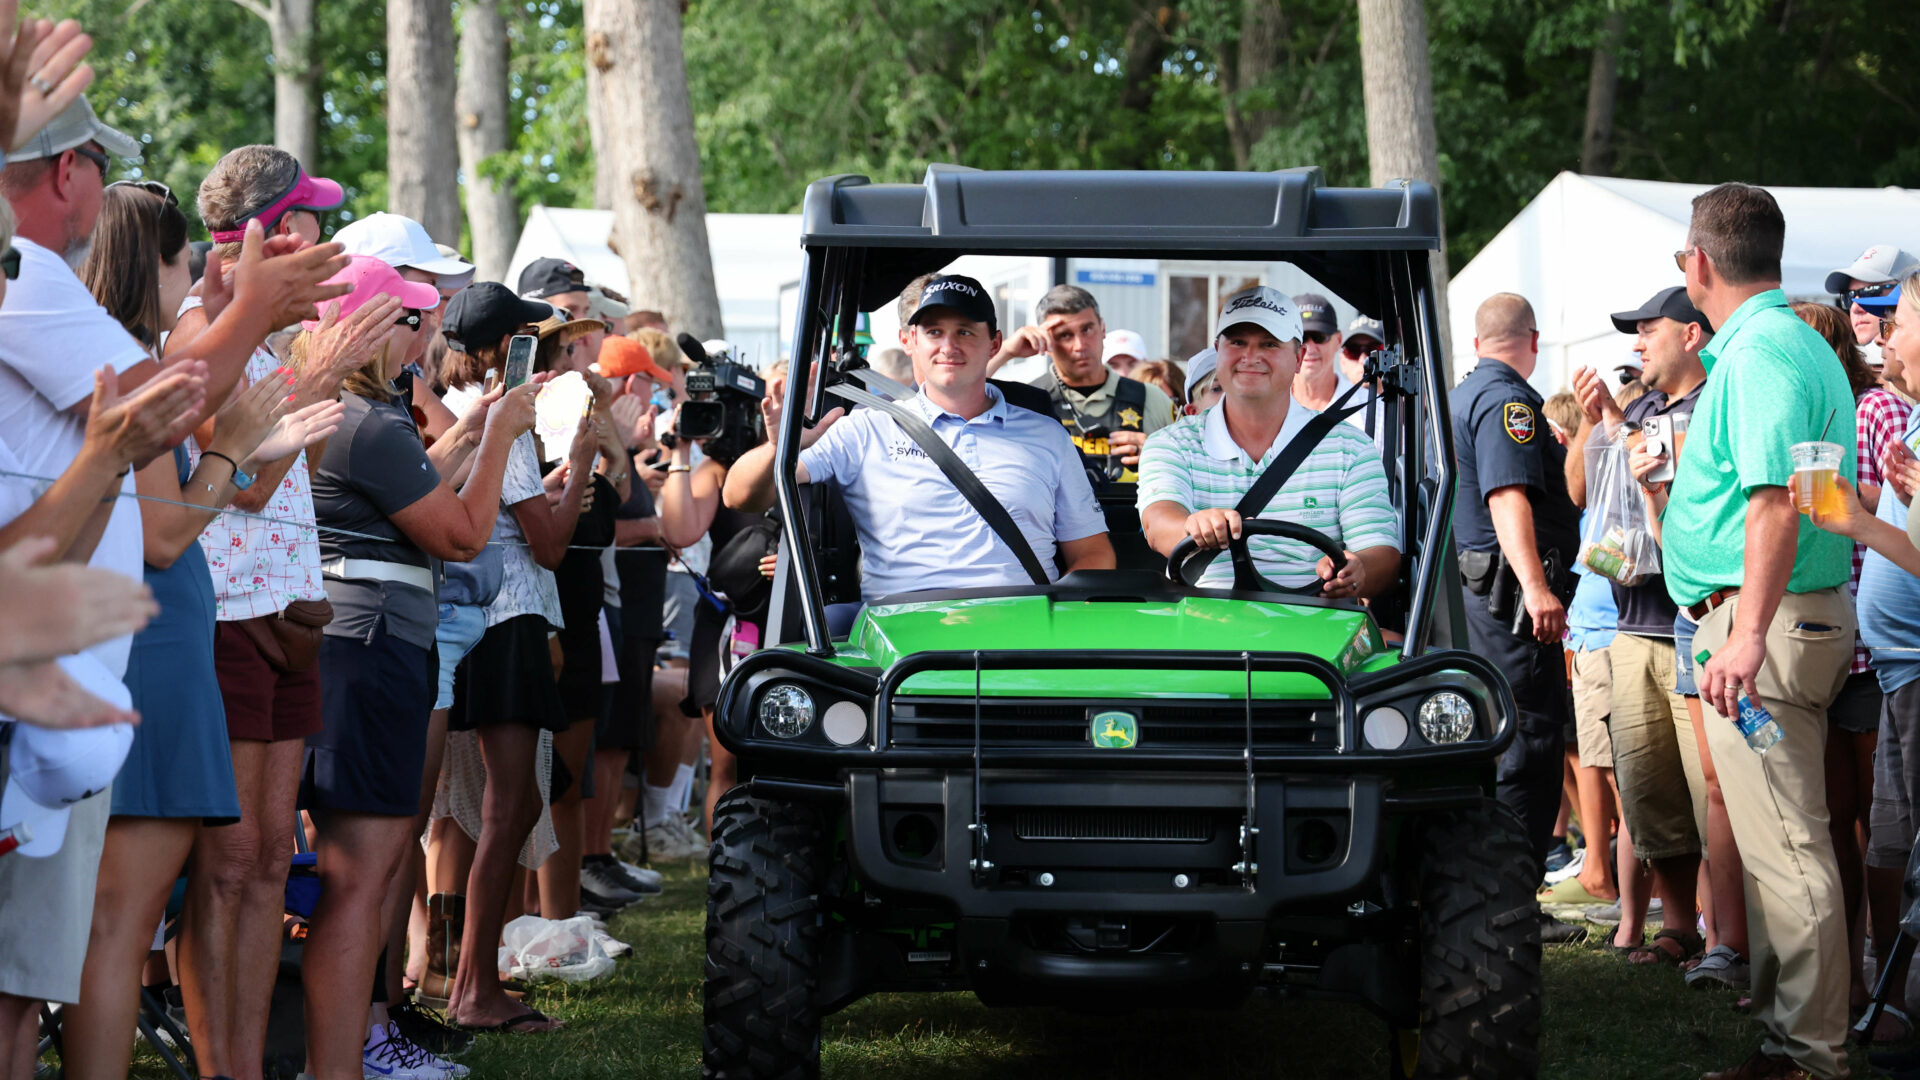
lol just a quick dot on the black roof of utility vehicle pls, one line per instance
(1287, 215)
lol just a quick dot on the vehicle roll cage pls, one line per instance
(864, 242)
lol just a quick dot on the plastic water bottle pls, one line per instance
(1761, 730)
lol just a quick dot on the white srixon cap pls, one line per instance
(1265, 307)
(49, 771)
(399, 241)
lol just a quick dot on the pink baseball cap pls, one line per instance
(372, 278)
(315, 193)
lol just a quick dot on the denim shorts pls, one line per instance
(1683, 664)
(460, 628)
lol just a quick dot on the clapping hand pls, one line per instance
(55, 609)
(158, 415)
(1902, 471)
(248, 414)
(286, 279)
(300, 429)
(40, 72)
(633, 419)
(1599, 405)
(343, 346)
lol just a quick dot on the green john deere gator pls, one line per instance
(1278, 796)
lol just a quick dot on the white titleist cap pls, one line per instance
(1265, 307)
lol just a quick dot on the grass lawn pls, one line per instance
(1604, 1020)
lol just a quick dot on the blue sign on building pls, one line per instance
(1113, 277)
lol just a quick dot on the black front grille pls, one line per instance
(1171, 826)
(1053, 723)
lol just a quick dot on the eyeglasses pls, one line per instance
(1680, 258)
(151, 187)
(1887, 325)
(96, 157)
(409, 318)
(1355, 348)
(10, 262)
(1317, 337)
(1882, 289)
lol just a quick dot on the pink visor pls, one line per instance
(371, 279)
(315, 193)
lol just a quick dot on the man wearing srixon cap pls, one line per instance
(916, 530)
(1194, 473)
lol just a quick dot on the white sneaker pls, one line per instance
(598, 922)
(1572, 869)
(388, 1055)
(646, 874)
(696, 844)
(665, 843)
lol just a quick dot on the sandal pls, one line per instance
(527, 1023)
(1688, 941)
(1721, 966)
(1864, 1037)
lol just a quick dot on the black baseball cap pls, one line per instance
(484, 312)
(1316, 313)
(1669, 303)
(551, 277)
(963, 294)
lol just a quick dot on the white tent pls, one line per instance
(1587, 246)
(754, 255)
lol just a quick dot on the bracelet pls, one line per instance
(671, 469)
(215, 453)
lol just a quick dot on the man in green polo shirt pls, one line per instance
(1769, 593)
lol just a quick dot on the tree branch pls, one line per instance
(257, 8)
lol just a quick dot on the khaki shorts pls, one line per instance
(49, 905)
(1592, 704)
(1656, 759)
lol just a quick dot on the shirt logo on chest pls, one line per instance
(1517, 417)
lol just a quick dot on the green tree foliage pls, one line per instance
(1811, 92)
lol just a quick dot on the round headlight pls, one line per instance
(786, 711)
(1385, 728)
(1446, 717)
(845, 723)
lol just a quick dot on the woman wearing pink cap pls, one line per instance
(392, 517)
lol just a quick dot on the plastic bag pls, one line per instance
(566, 949)
(1618, 543)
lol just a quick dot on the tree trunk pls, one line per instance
(422, 157)
(1603, 87)
(637, 71)
(1263, 26)
(1398, 88)
(493, 216)
(296, 77)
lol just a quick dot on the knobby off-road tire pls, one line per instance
(1479, 948)
(763, 941)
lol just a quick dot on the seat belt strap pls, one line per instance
(962, 478)
(1295, 452)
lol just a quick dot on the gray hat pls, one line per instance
(1199, 366)
(1362, 326)
(1877, 265)
(75, 126)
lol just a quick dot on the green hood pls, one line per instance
(1345, 638)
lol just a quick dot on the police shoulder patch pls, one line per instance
(1519, 420)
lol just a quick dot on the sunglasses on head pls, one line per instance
(10, 262)
(1882, 289)
(151, 187)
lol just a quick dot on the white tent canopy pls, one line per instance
(1588, 246)
(753, 256)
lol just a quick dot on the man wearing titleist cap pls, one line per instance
(1109, 416)
(1517, 534)
(916, 530)
(1195, 473)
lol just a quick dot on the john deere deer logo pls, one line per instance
(1115, 730)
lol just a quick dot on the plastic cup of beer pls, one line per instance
(1815, 466)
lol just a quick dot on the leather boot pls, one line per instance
(446, 920)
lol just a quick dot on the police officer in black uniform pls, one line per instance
(1517, 533)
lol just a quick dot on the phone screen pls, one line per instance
(520, 352)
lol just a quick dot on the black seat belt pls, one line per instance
(1295, 452)
(962, 478)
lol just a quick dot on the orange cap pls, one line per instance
(623, 356)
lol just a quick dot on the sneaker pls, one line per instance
(1720, 967)
(1610, 915)
(616, 873)
(1571, 869)
(634, 848)
(588, 913)
(427, 1029)
(1555, 932)
(603, 889)
(695, 843)
(1558, 856)
(646, 878)
(665, 844)
(387, 1055)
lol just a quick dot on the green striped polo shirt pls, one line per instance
(1340, 489)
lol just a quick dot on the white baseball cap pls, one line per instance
(1877, 265)
(602, 305)
(453, 282)
(1199, 366)
(400, 241)
(50, 770)
(1124, 343)
(1265, 307)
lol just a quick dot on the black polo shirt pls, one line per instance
(1501, 439)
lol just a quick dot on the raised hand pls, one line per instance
(300, 429)
(633, 420)
(339, 347)
(1591, 389)
(1902, 471)
(56, 609)
(44, 695)
(248, 414)
(287, 286)
(40, 72)
(511, 411)
(158, 415)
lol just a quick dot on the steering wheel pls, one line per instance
(1188, 560)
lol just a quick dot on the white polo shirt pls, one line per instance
(1340, 489)
(917, 531)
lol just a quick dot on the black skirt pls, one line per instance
(508, 679)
